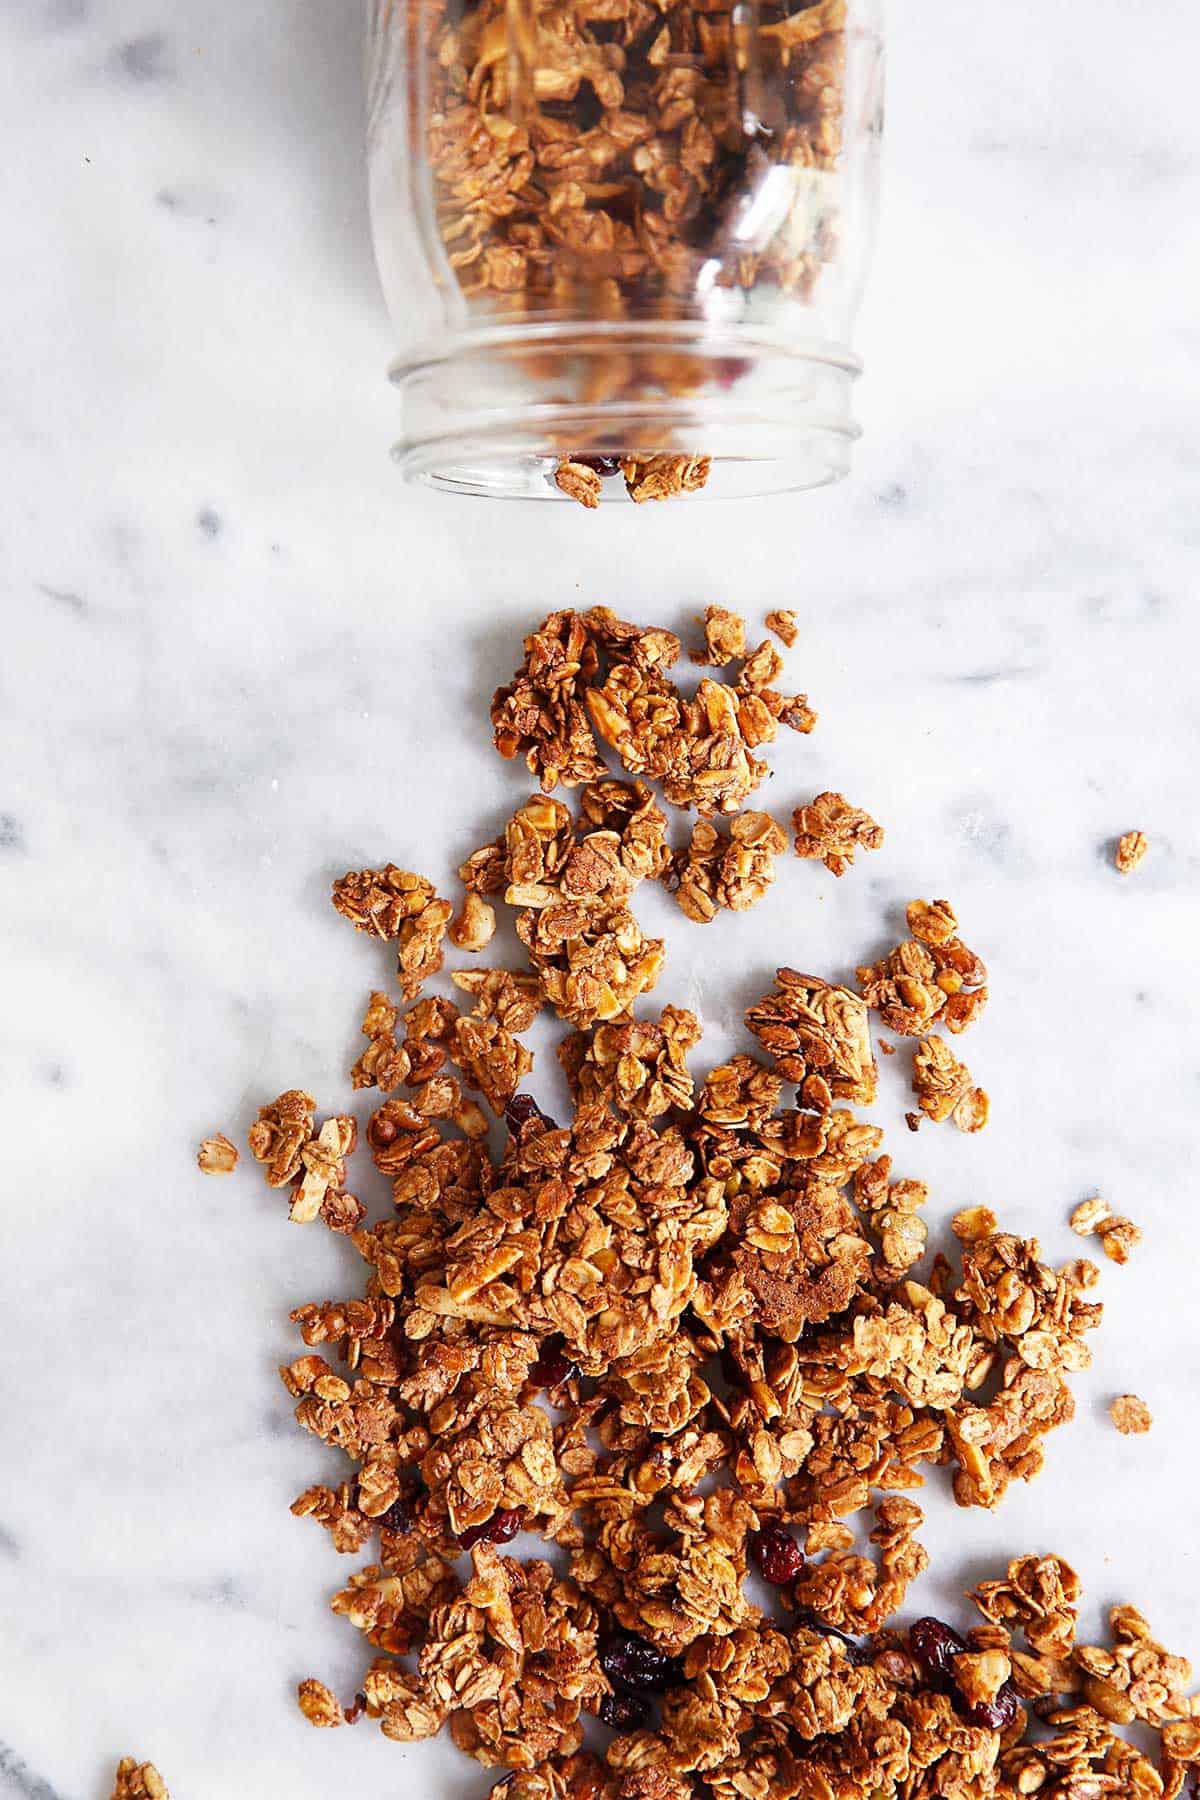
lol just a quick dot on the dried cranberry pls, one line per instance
(855, 1652)
(552, 1367)
(729, 369)
(521, 1110)
(623, 1712)
(600, 465)
(777, 1555)
(637, 1667)
(935, 1646)
(501, 1528)
(997, 1714)
(397, 1517)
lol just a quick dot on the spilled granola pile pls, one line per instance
(680, 1336)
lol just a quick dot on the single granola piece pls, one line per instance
(540, 715)
(1130, 1415)
(379, 901)
(138, 1781)
(724, 638)
(891, 1209)
(384, 1064)
(217, 1156)
(475, 926)
(1148, 1682)
(731, 870)
(944, 1088)
(1131, 850)
(323, 1160)
(280, 1133)
(1090, 1216)
(335, 1509)
(931, 978)
(578, 482)
(1040, 1594)
(490, 1057)
(318, 1705)
(783, 624)
(512, 998)
(1118, 1236)
(420, 954)
(740, 1095)
(831, 829)
(663, 477)
(819, 1037)
(637, 1067)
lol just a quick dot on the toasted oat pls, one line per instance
(1131, 851)
(663, 477)
(1130, 1415)
(1090, 1215)
(138, 1781)
(944, 1088)
(217, 1156)
(578, 482)
(724, 638)
(830, 829)
(1118, 1238)
(783, 624)
(973, 1224)
(318, 1705)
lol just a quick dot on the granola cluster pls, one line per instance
(688, 1337)
(138, 1781)
(591, 678)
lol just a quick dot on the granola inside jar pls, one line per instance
(624, 238)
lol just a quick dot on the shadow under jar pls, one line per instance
(625, 232)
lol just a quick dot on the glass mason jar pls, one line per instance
(627, 236)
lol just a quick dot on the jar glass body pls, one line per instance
(624, 229)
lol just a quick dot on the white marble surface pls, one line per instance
(237, 657)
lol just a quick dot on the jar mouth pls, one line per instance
(495, 411)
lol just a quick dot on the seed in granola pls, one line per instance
(552, 1367)
(636, 1666)
(623, 1712)
(501, 1528)
(777, 1556)
(1130, 1415)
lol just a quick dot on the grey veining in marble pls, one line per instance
(237, 658)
